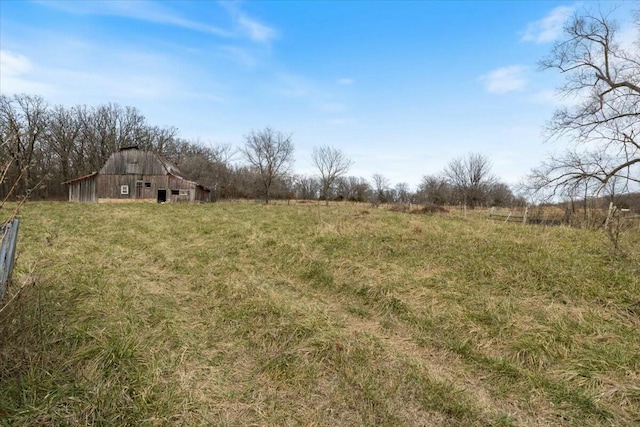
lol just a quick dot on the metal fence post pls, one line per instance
(7, 253)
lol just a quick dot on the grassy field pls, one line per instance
(244, 314)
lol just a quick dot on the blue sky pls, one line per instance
(401, 87)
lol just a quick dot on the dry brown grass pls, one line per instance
(243, 314)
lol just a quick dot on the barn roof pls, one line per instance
(132, 160)
(80, 178)
(137, 162)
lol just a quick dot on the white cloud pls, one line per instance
(142, 10)
(551, 97)
(629, 38)
(545, 97)
(156, 13)
(345, 81)
(240, 55)
(505, 79)
(549, 28)
(255, 30)
(248, 26)
(14, 64)
(119, 75)
(16, 75)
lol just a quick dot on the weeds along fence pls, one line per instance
(509, 215)
(553, 215)
(9, 233)
(628, 217)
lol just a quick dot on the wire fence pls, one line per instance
(546, 215)
(9, 232)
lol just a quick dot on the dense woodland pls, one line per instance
(43, 145)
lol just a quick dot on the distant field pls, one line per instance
(244, 314)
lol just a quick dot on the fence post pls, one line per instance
(4, 249)
(524, 217)
(12, 245)
(609, 214)
(7, 253)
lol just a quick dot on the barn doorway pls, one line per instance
(162, 196)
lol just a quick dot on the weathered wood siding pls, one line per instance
(84, 190)
(137, 175)
(146, 187)
(110, 186)
(137, 162)
(202, 194)
(186, 190)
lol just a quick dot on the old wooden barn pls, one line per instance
(133, 174)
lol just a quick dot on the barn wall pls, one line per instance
(186, 189)
(109, 186)
(202, 194)
(140, 187)
(83, 190)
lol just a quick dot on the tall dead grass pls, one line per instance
(238, 314)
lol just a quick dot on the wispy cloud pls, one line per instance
(16, 75)
(249, 26)
(552, 97)
(549, 28)
(240, 55)
(345, 81)
(294, 86)
(158, 12)
(505, 79)
(121, 75)
(14, 64)
(545, 97)
(255, 30)
(313, 95)
(629, 37)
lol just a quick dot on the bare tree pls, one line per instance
(23, 120)
(332, 164)
(271, 153)
(567, 175)
(44, 146)
(352, 189)
(381, 188)
(208, 165)
(61, 137)
(403, 193)
(306, 187)
(604, 78)
(434, 189)
(499, 194)
(470, 176)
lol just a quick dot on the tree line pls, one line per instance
(43, 146)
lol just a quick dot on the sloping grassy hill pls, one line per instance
(243, 314)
